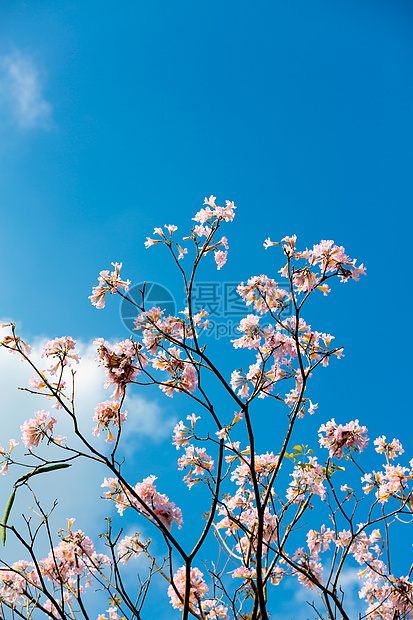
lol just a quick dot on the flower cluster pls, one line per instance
(108, 283)
(328, 257)
(38, 428)
(264, 294)
(307, 478)
(151, 500)
(337, 437)
(122, 364)
(199, 464)
(211, 608)
(182, 371)
(198, 588)
(106, 414)
(5, 456)
(69, 566)
(208, 221)
(129, 546)
(182, 434)
(60, 348)
(13, 343)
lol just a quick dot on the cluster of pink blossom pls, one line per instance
(158, 503)
(171, 228)
(351, 436)
(390, 449)
(106, 414)
(5, 456)
(279, 343)
(264, 464)
(385, 594)
(108, 283)
(211, 609)
(113, 614)
(240, 520)
(330, 259)
(199, 464)
(307, 478)
(182, 434)
(262, 381)
(198, 588)
(70, 566)
(38, 428)
(129, 546)
(158, 330)
(209, 219)
(264, 294)
(14, 582)
(122, 364)
(311, 573)
(74, 556)
(60, 348)
(389, 483)
(213, 212)
(183, 372)
(14, 343)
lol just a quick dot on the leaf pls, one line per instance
(6, 516)
(42, 470)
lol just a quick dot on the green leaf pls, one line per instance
(6, 516)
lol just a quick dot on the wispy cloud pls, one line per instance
(21, 92)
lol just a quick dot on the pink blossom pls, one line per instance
(160, 505)
(184, 376)
(338, 437)
(15, 344)
(220, 258)
(213, 610)
(60, 348)
(268, 243)
(108, 283)
(197, 592)
(199, 464)
(122, 364)
(106, 414)
(36, 429)
(391, 449)
(129, 546)
(307, 478)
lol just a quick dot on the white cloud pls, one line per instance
(21, 92)
(77, 489)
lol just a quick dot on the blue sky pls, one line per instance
(114, 120)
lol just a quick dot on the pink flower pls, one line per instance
(268, 243)
(60, 348)
(198, 588)
(220, 258)
(160, 505)
(36, 429)
(391, 449)
(198, 461)
(129, 546)
(106, 414)
(338, 437)
(108, 283)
